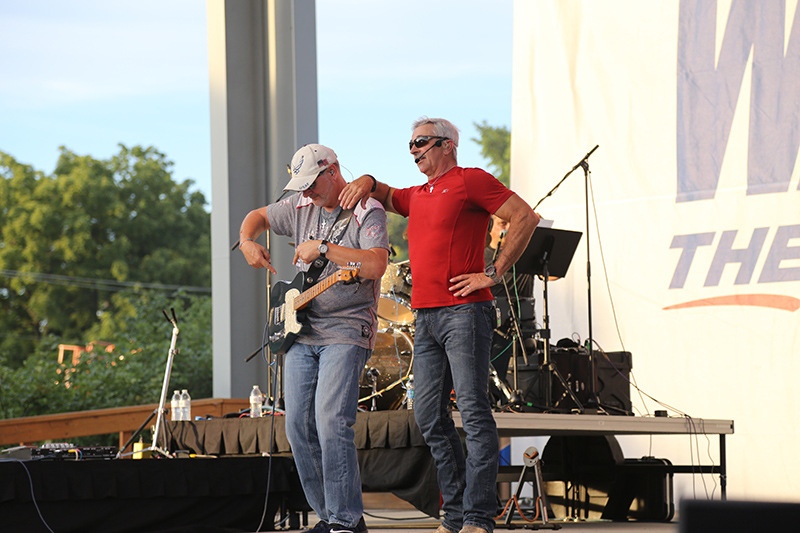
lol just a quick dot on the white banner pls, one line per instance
(695, 252)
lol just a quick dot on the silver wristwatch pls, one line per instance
(323, 248)
(491, 273)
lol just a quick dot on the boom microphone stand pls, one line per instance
(593, 401)
(160, 409)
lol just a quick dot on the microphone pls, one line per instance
(585, 160)
(437, 143)
(499, 244)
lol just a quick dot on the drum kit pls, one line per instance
(382, 385)
(383, 380)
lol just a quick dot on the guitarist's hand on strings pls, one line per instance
(256, 255)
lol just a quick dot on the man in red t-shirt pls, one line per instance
(448, 218)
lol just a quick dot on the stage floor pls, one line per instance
(394, 521)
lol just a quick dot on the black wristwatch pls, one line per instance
(491, 273)
(374, 183)
(323, 248)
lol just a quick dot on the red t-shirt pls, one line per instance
(447, 232)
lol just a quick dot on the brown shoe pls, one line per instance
(473, 529)
(442, 529)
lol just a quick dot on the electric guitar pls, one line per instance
(285, 315)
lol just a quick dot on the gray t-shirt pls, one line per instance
(343, 314)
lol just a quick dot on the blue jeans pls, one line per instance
(451, 351)
(321, 404)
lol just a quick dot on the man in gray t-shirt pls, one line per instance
(323, 367)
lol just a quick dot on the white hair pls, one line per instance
(441, 128)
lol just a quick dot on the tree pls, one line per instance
(131, 374)
(495, 143)
(69, 241)
(397, 227)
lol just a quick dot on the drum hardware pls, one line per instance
(393, 359)
(510, 395)
(510, 329)
(372, 379)
(393, 354)
(392, 403)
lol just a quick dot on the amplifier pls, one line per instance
(60, 452)
(612, 386)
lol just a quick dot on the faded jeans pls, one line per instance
(451, 351)
(321, 405)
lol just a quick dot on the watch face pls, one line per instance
(323, 248)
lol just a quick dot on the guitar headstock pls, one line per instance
(350, 271)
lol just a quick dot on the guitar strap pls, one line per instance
(334, 236)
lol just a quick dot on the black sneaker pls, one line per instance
(361, 527)
(321, 527)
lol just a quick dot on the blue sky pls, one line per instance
(89, 74)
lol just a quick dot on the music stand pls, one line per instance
(549, 253)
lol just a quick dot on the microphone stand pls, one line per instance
(593, 401)
(512, 395)
(160, 410)
(277, 393)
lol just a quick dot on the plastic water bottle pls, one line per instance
(256, 402)
(174, 407)
(186, 405)
(410, 392)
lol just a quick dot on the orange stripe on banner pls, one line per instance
(773, 301)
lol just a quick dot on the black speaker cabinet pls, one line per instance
(710, 516)
(612, 386)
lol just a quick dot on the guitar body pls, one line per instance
(285, 323)
(285, 315)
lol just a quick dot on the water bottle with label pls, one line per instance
(174, 407)
(256, 402)
(410, 392)
(186, 405)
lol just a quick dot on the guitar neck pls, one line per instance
(303, 299)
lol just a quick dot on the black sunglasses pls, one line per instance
(422, 140)
(314, 183)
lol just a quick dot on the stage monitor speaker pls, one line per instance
(642, 490)
(613, 385)
(707, 516)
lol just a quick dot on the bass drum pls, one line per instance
(381, 386)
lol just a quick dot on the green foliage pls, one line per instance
(77, 249)
(495, 143)
(131, 374)
(123, 219)
(398, 237)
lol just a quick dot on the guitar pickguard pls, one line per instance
(291, 324)
(286, 316)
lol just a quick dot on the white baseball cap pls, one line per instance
(307, 164)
